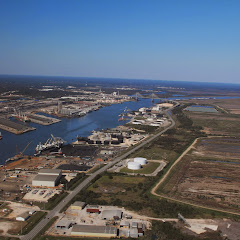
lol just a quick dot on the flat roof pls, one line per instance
(79, 204)
(94, 229)
(111, 213)
(45, 178)
(50, 171)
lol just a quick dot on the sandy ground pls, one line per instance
(201, 225)
(40, 198)
(5, 226)
(20, 208)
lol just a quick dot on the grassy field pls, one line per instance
(146, 169)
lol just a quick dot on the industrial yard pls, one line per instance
(98, 221)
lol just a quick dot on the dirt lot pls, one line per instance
(20, 208)
(209, 174)
(40, 195)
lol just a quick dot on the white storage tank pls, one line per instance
(140, 160)
(134, 165)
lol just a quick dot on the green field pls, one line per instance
(147, 169)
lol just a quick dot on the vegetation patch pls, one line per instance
(146, 169)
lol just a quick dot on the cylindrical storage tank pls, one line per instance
(140, 160)
(134, 166)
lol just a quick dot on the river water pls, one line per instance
(68, 129)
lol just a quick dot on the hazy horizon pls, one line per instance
(193, 41)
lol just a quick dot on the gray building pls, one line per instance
(47, 178)
(94, 231)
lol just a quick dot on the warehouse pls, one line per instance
(55, 172)
(63, 224)
(111, 214)
(47, 178)
(23, 217)
(94, 231)
(78, 205)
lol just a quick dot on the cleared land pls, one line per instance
(208, 174)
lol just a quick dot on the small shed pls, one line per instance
(134, 225)
(124, 224)
(92, 210)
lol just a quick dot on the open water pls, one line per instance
(68, 129)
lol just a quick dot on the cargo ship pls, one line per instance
(21, 116)
(53, 142)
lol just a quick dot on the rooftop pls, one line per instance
(94, 229)
(79, 204)
(50, 171)
(45, 178)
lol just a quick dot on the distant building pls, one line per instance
(94, 231)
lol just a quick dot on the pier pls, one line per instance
(41, 119)
(14, 127)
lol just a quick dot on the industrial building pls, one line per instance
(23, 217)
(47, 178)
(94, 231)
(78, 205)
(63, 224)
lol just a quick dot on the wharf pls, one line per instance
(13, 127)
(41, 119)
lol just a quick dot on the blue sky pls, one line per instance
(189, 40)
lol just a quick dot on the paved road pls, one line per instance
(72, 194)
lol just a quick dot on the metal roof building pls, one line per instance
(94, 231)
(23, 217)
(50, 172)
(47, 178)
(78, 205)
(111, 214)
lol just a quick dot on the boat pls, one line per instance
(21, 116)
(0, 135)
(53, 142)
(124, 115)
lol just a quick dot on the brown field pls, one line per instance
(217, 124)
(209, 174)
(231, 106)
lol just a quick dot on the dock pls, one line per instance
(41, 119)
(14, 127)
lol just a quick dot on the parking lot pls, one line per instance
(40, 194)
